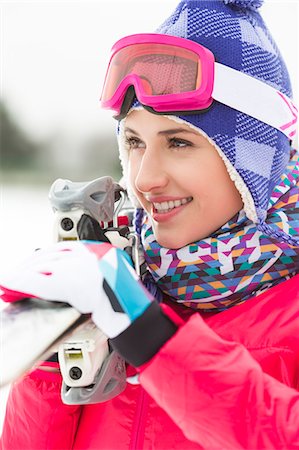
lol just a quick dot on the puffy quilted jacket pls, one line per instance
(229, 381)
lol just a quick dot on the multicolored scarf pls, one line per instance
(236, 262)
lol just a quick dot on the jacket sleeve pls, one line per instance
(217, 393)
(35, 416)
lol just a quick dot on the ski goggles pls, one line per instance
(173, 75)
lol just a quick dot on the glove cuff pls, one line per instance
(145, 336)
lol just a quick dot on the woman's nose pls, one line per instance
(152, 172)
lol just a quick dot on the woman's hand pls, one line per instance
(93, 277)
(96, 278)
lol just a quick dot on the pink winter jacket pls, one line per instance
(227, 382)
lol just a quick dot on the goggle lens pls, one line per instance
(160, 68)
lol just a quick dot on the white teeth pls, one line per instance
(168, 206)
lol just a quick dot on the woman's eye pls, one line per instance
(179, 143)
(134, 142)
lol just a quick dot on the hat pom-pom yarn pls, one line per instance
(246, 4)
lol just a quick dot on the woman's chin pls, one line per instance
(174, 243)
(176, 239)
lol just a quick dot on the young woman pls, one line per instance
(206, 155)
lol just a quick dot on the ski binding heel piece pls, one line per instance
(82, 354)
(109, 382)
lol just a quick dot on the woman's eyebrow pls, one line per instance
(165, 132)
(176, 130)
(130, 130)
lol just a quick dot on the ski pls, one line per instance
(31, 331)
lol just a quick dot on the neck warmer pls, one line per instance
(237, 261)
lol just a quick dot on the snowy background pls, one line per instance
(54, 55)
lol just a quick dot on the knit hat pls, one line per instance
(255, 154)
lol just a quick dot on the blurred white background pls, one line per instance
(54, 56)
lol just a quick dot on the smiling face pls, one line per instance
(179, 179)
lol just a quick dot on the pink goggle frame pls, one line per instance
(172, 75)
(155, 65)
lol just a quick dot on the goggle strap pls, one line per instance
(255, 98)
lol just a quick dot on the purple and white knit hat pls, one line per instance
(255, 154)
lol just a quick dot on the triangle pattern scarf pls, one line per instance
(237, 261)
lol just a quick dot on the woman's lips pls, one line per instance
(165, 210)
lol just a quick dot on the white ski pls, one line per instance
(30, 332)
